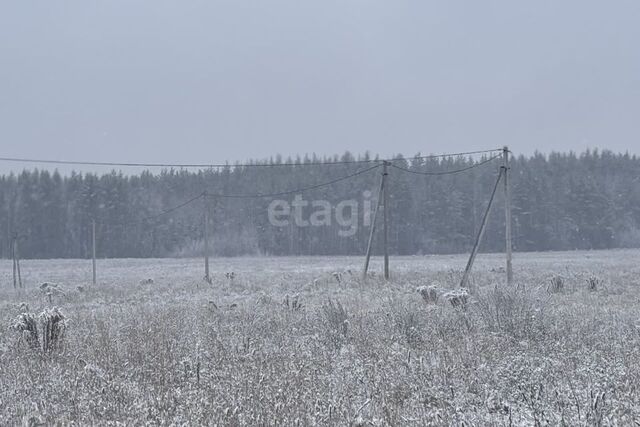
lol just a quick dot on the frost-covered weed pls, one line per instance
(43, 332)
(357, 352)
(556, 284)
(429, 294)
(458, 298)
(593, 283)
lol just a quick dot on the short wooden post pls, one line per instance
(13, 258)
(483, 226)
(18, 267)
(93, 250)
(15, 254)
(507, 210)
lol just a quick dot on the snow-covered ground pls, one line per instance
(122, 271)
(305, 341)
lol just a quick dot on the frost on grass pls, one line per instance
(335, 353)
(43, 332)
(429, 294)
(458, 298)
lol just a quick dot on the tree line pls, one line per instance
(561, 201)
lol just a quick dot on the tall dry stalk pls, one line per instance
(51, 322)
(27, 325)
(53, 329)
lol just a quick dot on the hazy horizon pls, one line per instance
(209, 82)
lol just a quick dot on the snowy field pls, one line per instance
(304, 341)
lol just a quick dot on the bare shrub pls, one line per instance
(407, 322)
(337, 275)
(336, 317)
(593, 283)
(514, 312)
(292, 303)
(596, 408)
(51, 322)
(27, 325)
(53, 328)
(264, 300)
(458, 298)
(495, 405)
(430, 294)
(51, 290)
(556, 285)
(45, 285)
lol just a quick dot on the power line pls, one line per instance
(158, 215)
(238, 196)
(219, 165)
(450, 172)
(297, 190)
(288, 192)
(440, 156)
(179, 165)
(303, 189)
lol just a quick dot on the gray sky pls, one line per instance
(210, 81)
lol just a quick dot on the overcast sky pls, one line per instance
(211, 81)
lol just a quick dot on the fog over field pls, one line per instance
(331, 213)
(563, 201)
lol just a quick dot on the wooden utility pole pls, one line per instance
(93, 249)
(18, 265)
(13, 259)
(385, 193)
(483, 226)
(373, 229)
(206, 238)
(507, 211)
(17, 277)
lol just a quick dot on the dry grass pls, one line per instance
(354, 354)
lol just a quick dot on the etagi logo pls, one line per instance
(321, 213)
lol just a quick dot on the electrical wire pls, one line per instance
(155, 216)
(287, 192)
(180, 165)
(280, 193)
(464, 153)
(450, 172)
(238, 196)
(227, 165)
(263, 195)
